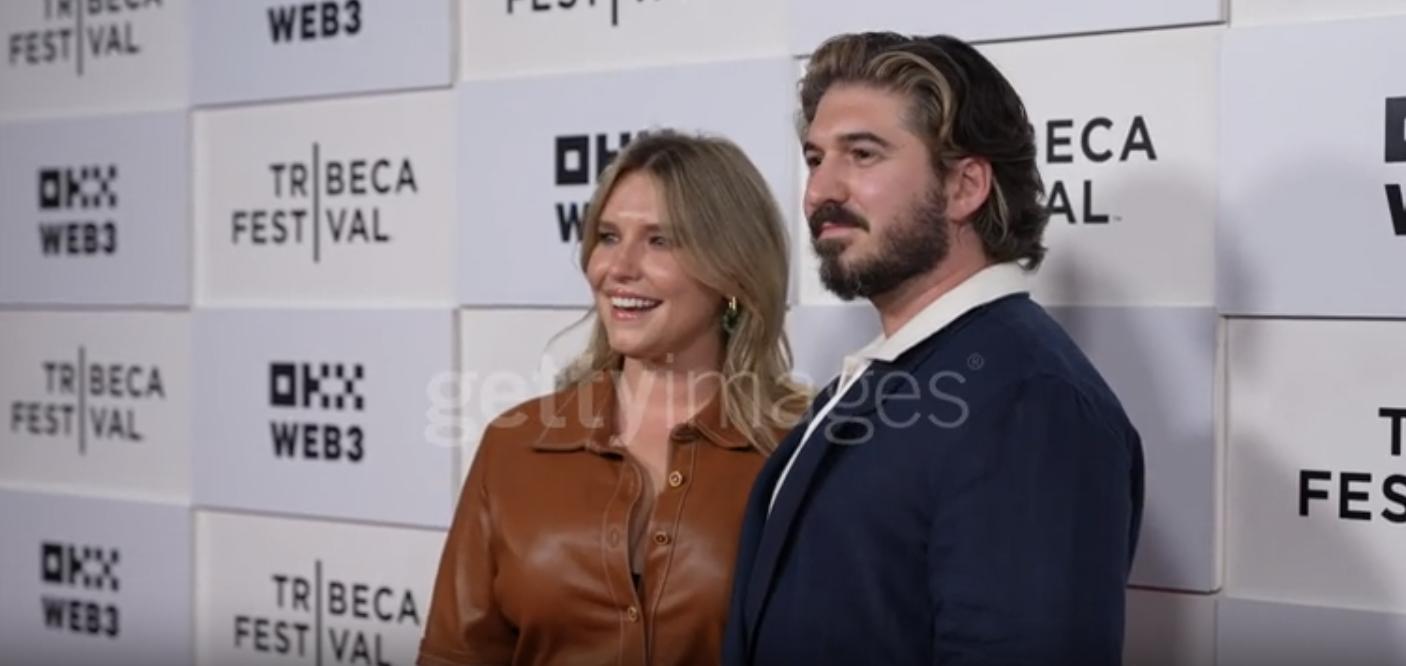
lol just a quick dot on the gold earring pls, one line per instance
(731, 316)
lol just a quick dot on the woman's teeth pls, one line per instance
(624, 303)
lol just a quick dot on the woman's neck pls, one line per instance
(668, 390)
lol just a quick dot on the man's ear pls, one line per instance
(968, 186)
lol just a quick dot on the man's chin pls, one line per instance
(830, 248)
(837, 280)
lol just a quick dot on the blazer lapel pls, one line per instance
(738, 642)
(776, 530)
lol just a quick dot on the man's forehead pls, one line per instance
(848, 113)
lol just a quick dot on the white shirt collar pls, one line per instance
(986, 285)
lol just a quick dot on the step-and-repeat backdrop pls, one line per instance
(267, 268)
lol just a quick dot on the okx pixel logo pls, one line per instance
(1396, 154)
(79, 583)
(88, 401)
(73, 33)
(325, 202)
(328, 620)
(578, 162)
(322, 401)
(76, 205)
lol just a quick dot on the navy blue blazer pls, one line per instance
(976, 501)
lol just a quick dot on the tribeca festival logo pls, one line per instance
(75, 31)
(1356, 492)
(333, 201)
(579, 160)
(1396, 154)
(81, 199)
(332, 621)
(1097, 140)
(95, 401)
(310, 21)
(561, 6)
(328, 390)
(82, 581)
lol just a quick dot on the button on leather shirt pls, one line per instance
(536, 568)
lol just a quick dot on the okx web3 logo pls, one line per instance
(76, 207)
(79, 582)
(323, 402)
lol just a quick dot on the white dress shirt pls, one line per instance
(988, 284)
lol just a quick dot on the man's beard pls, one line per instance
(915, 244)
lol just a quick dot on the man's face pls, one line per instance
(874, 204)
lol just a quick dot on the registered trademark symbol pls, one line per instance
(976, 362)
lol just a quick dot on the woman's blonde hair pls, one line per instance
(726, 225)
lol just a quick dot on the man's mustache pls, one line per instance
(833, 213)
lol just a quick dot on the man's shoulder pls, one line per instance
(1011, 335)
(1009, 344)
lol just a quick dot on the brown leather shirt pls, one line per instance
(536, 567)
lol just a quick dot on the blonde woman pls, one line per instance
(598, 525)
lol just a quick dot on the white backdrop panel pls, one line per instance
(1315, 505)
(280, 591)
(346, 201)
(94, 581)
(69, 57)
(97, 402)
(1259, 12)
(1259, 632)
(530, 151)
(305, 49)
(1312, 212)
(322, 413)
(1169, 629)
(519, 37)
(96, 211)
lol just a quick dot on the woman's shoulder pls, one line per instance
(524, 424)
(536, 412)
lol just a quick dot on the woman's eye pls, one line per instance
(659, 241)
(607, 237)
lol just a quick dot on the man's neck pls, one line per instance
(901, 304)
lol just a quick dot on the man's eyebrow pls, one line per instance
(851, 138)
(857, 137)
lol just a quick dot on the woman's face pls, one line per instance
(652, 308)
